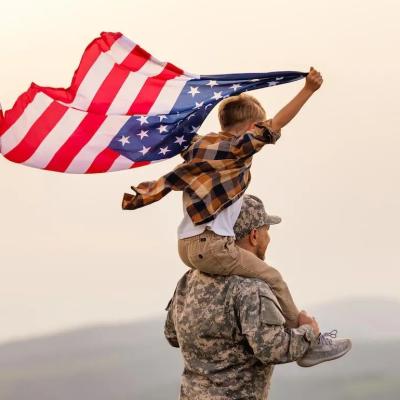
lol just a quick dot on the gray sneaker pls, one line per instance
(326, 348)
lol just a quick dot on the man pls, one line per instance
(230, 329)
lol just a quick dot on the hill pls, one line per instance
(133, 361)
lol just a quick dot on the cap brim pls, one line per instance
(273, 220)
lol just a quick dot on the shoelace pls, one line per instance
(326, 338)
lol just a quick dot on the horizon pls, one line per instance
(61, 331)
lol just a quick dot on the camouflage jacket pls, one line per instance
(230, 331)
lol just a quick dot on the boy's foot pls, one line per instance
(326, 348)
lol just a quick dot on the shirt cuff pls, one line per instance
(270, 136)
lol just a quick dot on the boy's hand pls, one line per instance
(313, 80)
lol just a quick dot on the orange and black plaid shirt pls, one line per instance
(215, 173)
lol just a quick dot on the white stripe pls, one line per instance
(99, 72)
(100, 140)
(16, 132)
(56, 138)
(133, 85)
(121, 163)
(168, 95)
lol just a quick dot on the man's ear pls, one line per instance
(253, 237)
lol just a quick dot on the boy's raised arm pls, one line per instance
(286, 114)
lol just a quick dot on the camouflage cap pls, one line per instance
(252, 216)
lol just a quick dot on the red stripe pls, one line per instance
(139, 164)
(89, 57)
(37, 133)
(152, 88)
(103, 162)
(11, 116)
(116, 78)
(79, 138)
(108, 90)
(136, 59)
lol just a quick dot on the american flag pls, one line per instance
(124, 109)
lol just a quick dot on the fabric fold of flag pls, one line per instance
(124, 109)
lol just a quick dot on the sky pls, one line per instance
(69, 256)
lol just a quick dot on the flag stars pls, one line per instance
(198, 105)
(193, 90)
(217, 95)
(142, 134)
(235, 86)
(164, 150)
(272, 83)
(162, 117)
(212, 83)
(195, 129)
(144, 150)
(124, 140)
(180, 140)
(143, 120)
(162, 128)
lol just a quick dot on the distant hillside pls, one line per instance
(133, 361)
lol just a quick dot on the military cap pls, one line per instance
(252, 216)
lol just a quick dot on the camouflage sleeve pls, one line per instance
(263, 325)
(253, 141)
(169, 327)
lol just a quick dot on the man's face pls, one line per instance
(263, 240)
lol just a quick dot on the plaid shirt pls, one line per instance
(215, 173)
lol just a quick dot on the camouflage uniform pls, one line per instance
(230, 330)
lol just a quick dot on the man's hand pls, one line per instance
(306, 319)
(313, 80)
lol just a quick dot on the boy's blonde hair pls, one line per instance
(238, 110)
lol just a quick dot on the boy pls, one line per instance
(213, 178)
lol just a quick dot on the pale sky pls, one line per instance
(69, 255)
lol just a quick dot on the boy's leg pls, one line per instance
(196, 252)
(233, 260)
(183, 245)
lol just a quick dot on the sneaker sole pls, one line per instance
(335, 357)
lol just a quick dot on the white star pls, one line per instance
(254, 80)
(195, 129)
(193, 90)
(180, 139)
(144, 150)
(143, 120)
(235, 86)
(164, 150)
(217, 95)
(279, 78)
(162, 128)
(272, 83)
(124, 140)
(162, 117)
(198, 105)
(142, 134)
(212, 83)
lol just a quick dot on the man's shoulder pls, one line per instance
(250, 285)
(240, 284)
